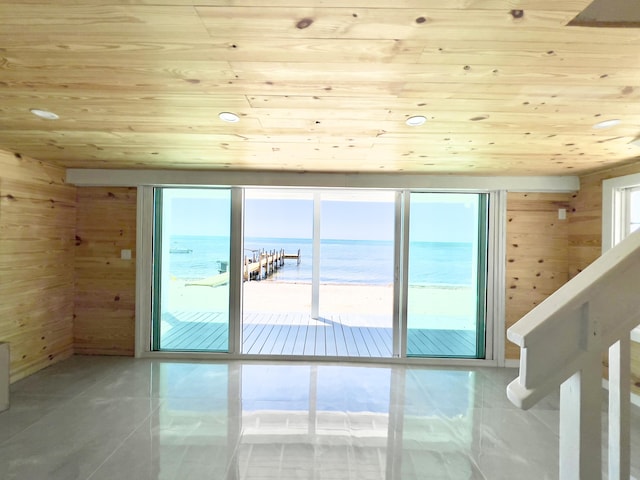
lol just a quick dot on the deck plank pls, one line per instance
(213, 338)
(352, 343)
(361, 343)
(301, 338)
(321, 341)
(341, 342)
(331, 347)
(310, 341)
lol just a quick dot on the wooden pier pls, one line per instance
(263, 264)
(260, 265)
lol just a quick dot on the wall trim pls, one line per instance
(384, 361)
(144, 270)
(134, 178)
(496, 304)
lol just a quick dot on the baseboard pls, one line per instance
(512, 363)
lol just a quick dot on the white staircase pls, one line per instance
(562, 343)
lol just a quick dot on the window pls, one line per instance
(620, 209)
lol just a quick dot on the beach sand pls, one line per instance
(430, 307)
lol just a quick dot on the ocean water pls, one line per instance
(341, 261)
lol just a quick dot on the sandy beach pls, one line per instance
(435, 307)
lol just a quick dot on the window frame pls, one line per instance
(616, 215)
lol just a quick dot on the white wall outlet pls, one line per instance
(562, 214)
(125, 254)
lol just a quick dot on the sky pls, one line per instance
(434, 217)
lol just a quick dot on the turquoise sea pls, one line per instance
(341, 261)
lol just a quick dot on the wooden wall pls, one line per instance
(38, 230)
(585, 236)
(537, 253)
(105, 284)
(37, 226)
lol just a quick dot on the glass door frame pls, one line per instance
(158, 254)
(485, 258)
(494, 280)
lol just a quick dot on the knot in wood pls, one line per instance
(304, 23)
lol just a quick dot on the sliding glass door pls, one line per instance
(330, 273)
(191, 269)
(446, 275)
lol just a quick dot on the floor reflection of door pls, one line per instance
(338, 301)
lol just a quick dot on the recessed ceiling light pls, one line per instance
(607, 123)
(229, 117)
(44, 114)
(416, 121)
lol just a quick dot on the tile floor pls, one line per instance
(121, 418)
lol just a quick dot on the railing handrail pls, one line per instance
(562, 316)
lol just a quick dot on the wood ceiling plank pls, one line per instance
(256, 77)
(154, 53)
(556, 148)
(471, 72)
(532, 35)
(510, 101)
(526, 92)
(364, 23)
(545, 47)
(45, 15)
(569, 5)
(531, 59)
(324, 51)
(70, 104)
(181, 83)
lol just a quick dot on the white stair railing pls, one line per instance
(562, 344)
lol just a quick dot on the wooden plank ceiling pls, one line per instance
(320, 85)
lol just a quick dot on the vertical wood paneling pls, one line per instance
(537, 249)
(585, 237)
(105, 284)
(37, 225)
(585, 232)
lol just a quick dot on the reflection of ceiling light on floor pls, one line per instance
(416, 121)
(229, 117)
(607, 123)
(44, 114)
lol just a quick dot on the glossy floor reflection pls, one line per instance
(121, 418)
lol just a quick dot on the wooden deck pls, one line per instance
(299, 334)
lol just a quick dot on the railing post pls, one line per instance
(580, 423)
(619, 410)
